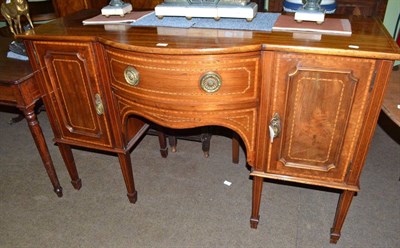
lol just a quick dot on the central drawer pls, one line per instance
(195, 79)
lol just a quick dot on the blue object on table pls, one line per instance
(293, 5)
(261, 22)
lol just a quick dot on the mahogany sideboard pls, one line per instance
(305, 109)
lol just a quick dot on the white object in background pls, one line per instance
(313, 16)
(247, 12)
(13, 55)
(227, 183)
(171, 9)
(116, 10)
(311, 11)
(231, 11)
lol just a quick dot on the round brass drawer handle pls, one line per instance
(132, 76)
(210, 82)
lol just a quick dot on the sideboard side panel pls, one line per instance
(72, 84)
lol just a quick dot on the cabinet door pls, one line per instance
(73, 90)
(320, 102)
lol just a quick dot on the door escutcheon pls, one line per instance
(99, 104)
(274, 127)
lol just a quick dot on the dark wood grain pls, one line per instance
(67, 7)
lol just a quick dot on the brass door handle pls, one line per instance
(132, 76)
(274, 127)
(99, 104)
(210, 82)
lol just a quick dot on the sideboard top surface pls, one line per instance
(369, 39)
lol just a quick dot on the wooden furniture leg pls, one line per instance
(235, 148)
(256, 200)
(69, 161)
(172, 143)
(41, 145)
(341, 211)
(38, 108)
(124, 161)
(126, 168)
(205, 139)
(162, 139)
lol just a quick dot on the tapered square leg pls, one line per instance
(126, 167)
(69, 161)
(255, 212)
(235, 148)
(342, 209)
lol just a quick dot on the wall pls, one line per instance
(391, 15)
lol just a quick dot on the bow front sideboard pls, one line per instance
(305, 109)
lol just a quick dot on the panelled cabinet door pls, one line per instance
(72, 84)
(318, 107)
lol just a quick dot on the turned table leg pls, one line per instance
(126, 167)
(69, 161)
(341, 211)
(41, 145)
(257, 190)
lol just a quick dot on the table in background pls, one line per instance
(392, 98)
(18, 89)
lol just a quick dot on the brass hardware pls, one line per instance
(210, 82)
(99, 104)
(274, 127)
(132, 76)
(12, 10)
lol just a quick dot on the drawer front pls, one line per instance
(169, 91)
(199, 79)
